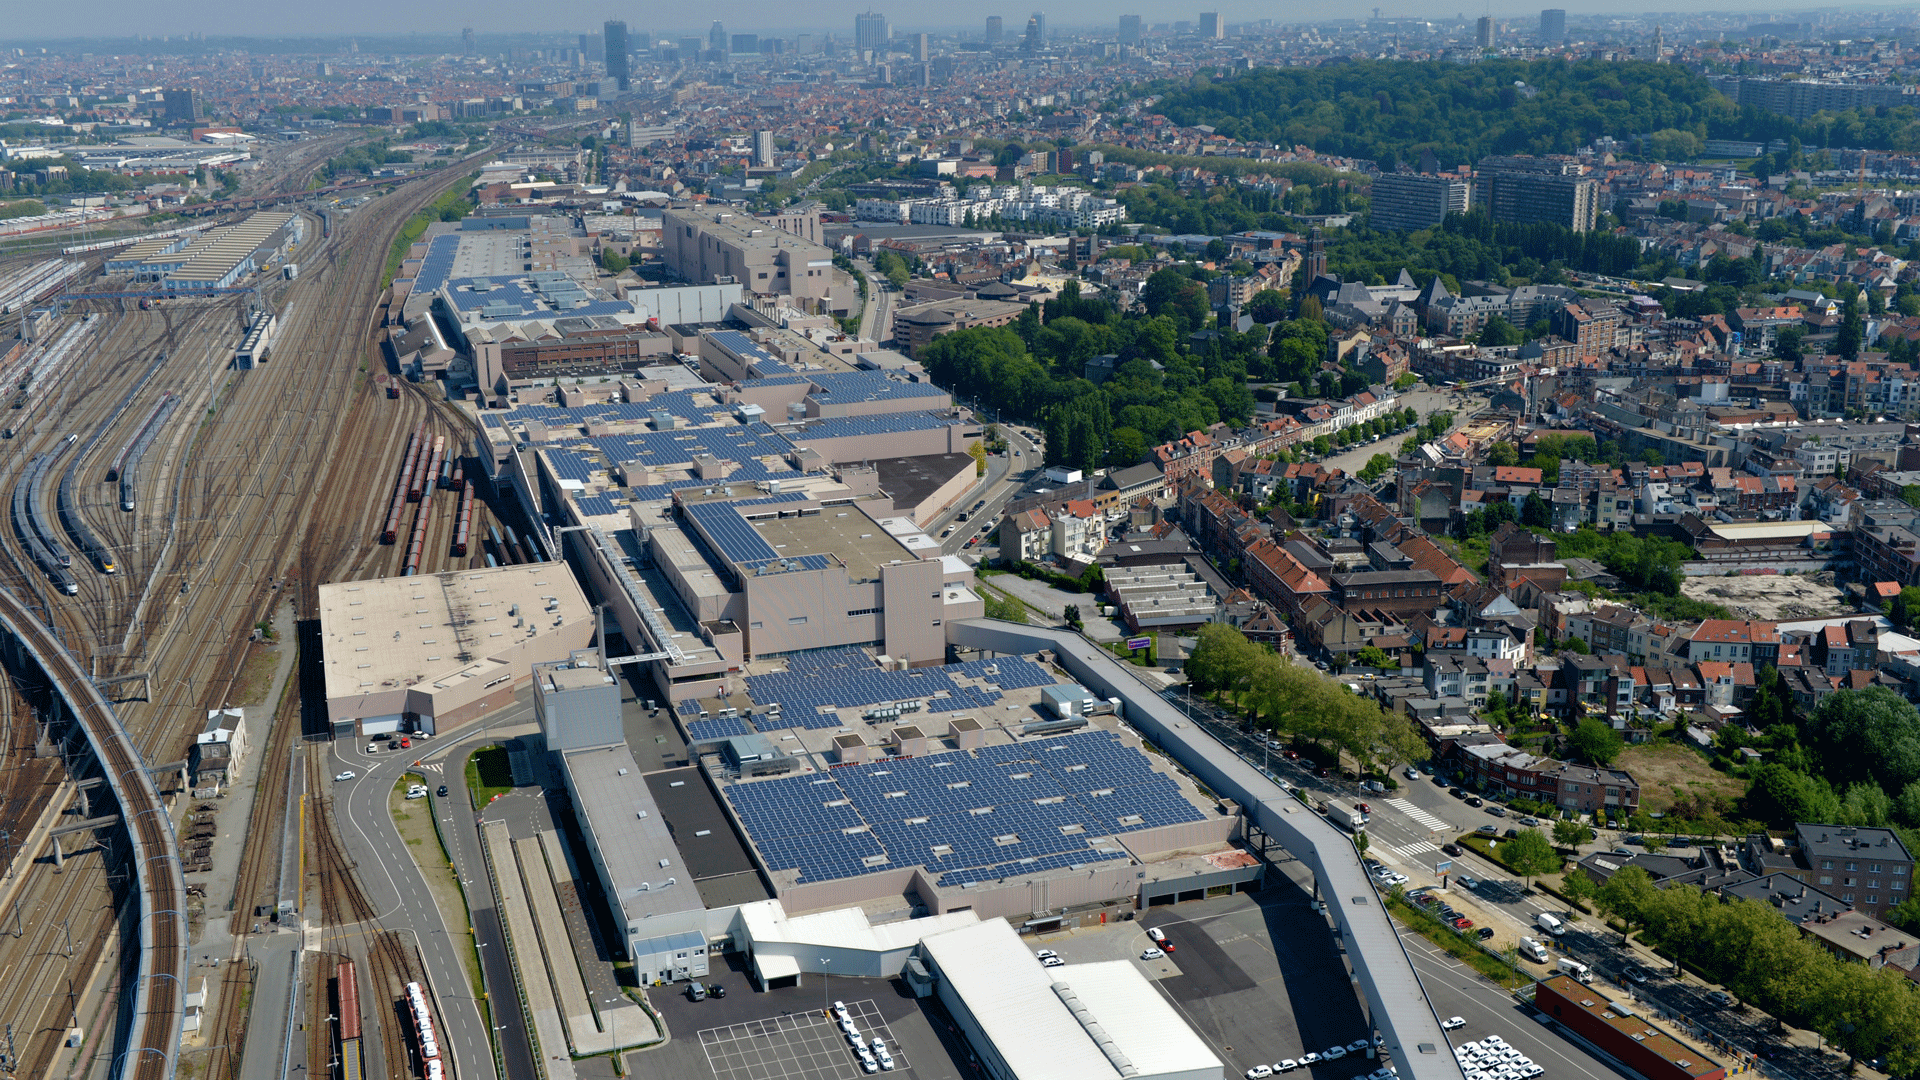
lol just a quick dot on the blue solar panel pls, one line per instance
(843, 387)
(974, 816)
(840, 427)
(690, 707)
(595, 505)
(438, 265)
(728, 531)
(720, 728)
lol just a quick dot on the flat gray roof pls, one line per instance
(631, 833)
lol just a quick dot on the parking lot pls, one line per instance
(796, 1046)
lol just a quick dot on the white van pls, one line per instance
(1533, 950)
(1550, 923)
(1575, 968)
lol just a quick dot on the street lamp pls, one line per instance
(826, 998)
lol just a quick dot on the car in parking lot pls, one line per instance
(1487, 830)
(1333, 1053)
(1426, 899)
(1151, 954)
(1045, 954)
(1476, 801)
(1497, 811)
(1259, 1072)
(1285, 1066)
(1357, 1045)
(1485, 933)
(1511, 833)
(1308, 1058)
(1453, 1023)
(1530, 822)
(1052, 961)
(1458, 793)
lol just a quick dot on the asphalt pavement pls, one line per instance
(1403, 835)
(1424, 402)
(406, 905)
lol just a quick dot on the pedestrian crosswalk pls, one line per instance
(1414, 850)
(1421, 817)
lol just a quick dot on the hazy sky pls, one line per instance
(120, 18)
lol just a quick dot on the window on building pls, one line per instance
(797, 620)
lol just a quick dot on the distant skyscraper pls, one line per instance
(593, 48)
(613, 42)
(1316, 254)
(184, 106)
(1129, 29)
(745, 44)
(466, 42)
(1659, 44)
(717, 37)
(1553, 24)
(870, 32)
(922, 48)
(763, 149)
(1483, 32)
(1036, 38)
(995, 35)
(1212, 26)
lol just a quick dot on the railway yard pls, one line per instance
(162, 506)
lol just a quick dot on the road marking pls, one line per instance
(1417, 848)
(1418, 815)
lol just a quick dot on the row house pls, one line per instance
(1504, 769)
(1735, 641)
(1282, 580)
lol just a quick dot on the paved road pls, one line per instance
(1424, 402)
(876, 318)
(404, 903)
(1402, 835)
(1006, 476)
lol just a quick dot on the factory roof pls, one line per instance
(439, 629)
(1078, 1022)
(642, 864)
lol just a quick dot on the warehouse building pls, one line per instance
(218, 258)
(1622, 1031)
(1099, 1021)
(430, 652)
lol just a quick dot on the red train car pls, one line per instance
(464, 528)
(348, 991)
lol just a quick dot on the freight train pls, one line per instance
(425, 1037)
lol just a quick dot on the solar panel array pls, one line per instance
(595, 505)
(971, 815)
(841, 427)
(788, 562)
(842, 387)
(737, 540)
(572, 465)
(689, 707)
(719, 728)
(437, 267)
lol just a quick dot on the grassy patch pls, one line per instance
(256, 675)
(449, 207)
(1138, 657)
(489, 775)
(1671, 773)
(1456, 944)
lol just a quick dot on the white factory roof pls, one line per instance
(845, 928)
(1122, 1027)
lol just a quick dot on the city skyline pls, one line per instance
(225, 18)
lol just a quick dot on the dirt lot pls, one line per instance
(1670, 774)
(1770, 596)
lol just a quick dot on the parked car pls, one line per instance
(1463, 923)
(1333, 1053)
(1476, 801)
(1053, 961)
(1453, 1023)
(1151, 954)
(1259, 1072)
(1487, 830)
(1531, 823)
(1308, 1058)
(1426, 899)
(1357, 1045)
(1485, 932)
(1497, 811)
(348, 775)
(1457, 793)
(1511, 833)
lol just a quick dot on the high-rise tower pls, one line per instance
(995, 31)
(1129, 29)
(613, 39)
(870, 32)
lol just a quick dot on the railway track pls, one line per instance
(251, 429)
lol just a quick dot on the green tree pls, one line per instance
(1376, 467)
(1787, 344)
(1072, 614)
(1530, 854)
(1852, 333)
(1579, 886)
(1503, 454)
(615, 262)
(1569, 833)
(1374, 658)
(1498, 331)
(1654, 843)
(1907, 915)
(1595, 740)
(1871, 734)
(1266, 306)
(977, 450)
(1626, 894)
(1005, 608)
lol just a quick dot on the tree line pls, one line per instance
(1297, 702)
